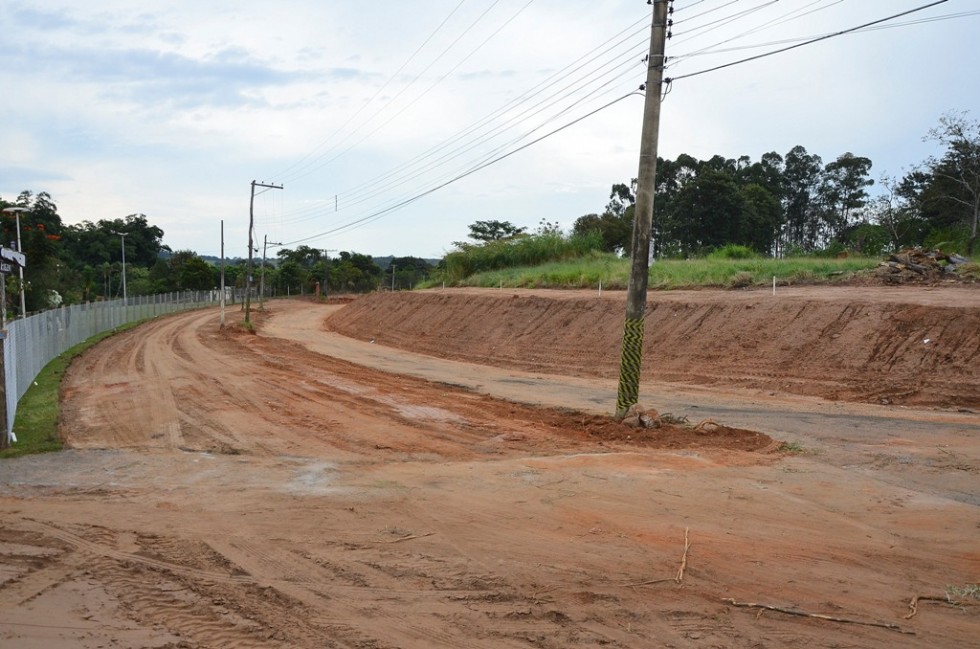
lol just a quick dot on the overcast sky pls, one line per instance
(171, 109)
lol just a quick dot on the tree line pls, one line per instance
(75, 263)
(782, 205)
(779, 205)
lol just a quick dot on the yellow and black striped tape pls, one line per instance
(629, 368)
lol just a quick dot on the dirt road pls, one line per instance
(301, 489)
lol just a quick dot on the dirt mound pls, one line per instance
(890, 346)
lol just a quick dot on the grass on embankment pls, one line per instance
(36, 425)
(613, 273)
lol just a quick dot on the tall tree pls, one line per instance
(801, 173)
(760, 218)
(707, 211)
(615, 225)
(40, 241)
(493, 230)
(955, 176)
(843, 191)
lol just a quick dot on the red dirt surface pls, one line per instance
(299, 488)
(876, 344)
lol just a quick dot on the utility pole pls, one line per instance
(251, 228)
(265, 243)
(122, 235)
(222, 273)
(392, 277)
(636, 296)
(326, 271)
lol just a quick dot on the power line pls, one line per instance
(482, 158)
(376, 94)
(406, 87)
(515, 103)
(486, 123)
(799, 39)
(388, 210)
(431, 87)
(809, 42)
(703, 13)
(779, 20)
(572, 89)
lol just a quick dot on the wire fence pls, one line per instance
(31, 343)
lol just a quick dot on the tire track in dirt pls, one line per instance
(452, 519)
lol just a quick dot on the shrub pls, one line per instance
(733, 251)
(530, 250)
(741, 279)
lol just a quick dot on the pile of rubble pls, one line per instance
(918, 265)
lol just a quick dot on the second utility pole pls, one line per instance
(636, 296)
(251, 227)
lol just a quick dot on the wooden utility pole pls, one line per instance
(251, 228)
(636, 296)
(265, 244)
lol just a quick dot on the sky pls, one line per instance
(391, 126)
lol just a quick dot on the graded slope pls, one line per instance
(909, 346)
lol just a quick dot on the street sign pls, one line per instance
(5, 268)
(13, 256)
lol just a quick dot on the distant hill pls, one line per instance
(385, 262)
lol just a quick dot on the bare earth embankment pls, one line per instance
(301, 488)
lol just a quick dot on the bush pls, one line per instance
(530, 250)
(954, 239)
(733, 251)
(741, 279)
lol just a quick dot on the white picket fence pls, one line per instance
(31, 343)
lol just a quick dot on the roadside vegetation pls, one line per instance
(36, 425)
(549, 260)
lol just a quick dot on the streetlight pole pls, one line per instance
(20, 269)
(122, 236)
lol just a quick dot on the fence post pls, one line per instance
(5, 438)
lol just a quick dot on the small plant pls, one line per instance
(792, 447)
(741, 279)
(969, 271)
(958, 594)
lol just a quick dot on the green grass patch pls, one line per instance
(36, 424)
(718, 272)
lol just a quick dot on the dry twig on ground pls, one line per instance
(948, 598)
(407, 538)
(818, 616)
(680, 572)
